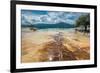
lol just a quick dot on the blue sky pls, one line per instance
(48, 17)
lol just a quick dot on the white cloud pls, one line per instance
(50, 17)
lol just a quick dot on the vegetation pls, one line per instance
(84, 22)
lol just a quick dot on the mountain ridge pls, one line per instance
(42, 26)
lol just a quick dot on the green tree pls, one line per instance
(83, 21)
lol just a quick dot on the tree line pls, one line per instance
(84, 22)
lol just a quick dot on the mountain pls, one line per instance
(44, 26)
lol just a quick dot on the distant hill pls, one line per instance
(43, 26)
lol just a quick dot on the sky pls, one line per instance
(48, 17)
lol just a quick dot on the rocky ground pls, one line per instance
(56, 47)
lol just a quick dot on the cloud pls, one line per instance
(50, 17)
